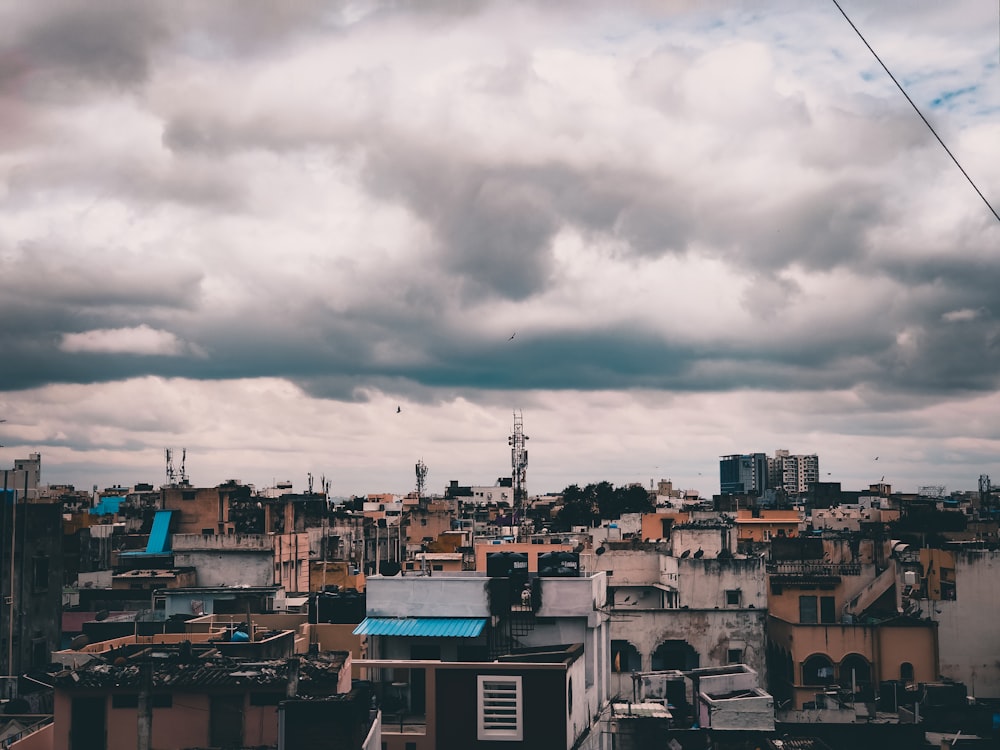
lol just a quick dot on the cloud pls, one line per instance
(142, 340)
(699, 204)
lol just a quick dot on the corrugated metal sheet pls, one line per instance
(449, 627)
(158, 534)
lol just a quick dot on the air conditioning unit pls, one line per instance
(910, 577)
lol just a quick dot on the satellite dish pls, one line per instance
(101, 615)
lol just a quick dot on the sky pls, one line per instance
(338, 238)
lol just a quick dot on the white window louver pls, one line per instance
(500, 708)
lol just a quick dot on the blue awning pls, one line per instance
(159, 541)
(447, 627)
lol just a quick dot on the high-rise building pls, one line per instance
(753, 473)
(745, 474)
(793, 473)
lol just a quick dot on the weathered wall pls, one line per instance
(709, 632)
(969, 636)
(228, 568)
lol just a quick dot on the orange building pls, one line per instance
(765, 525)
(658, 525)
(834, 624)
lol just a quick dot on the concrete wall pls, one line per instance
(229, 568)
(968, 633)
(703, 583)
(572, 597)
(427, 596)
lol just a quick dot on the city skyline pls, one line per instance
(300, 239)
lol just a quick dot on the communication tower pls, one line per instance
(518, 466)
(421, 471)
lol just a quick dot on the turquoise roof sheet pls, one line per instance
(427, 627)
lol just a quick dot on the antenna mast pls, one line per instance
(171, 474)
(518, 467)
(421, 471)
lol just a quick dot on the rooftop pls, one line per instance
(191, 668)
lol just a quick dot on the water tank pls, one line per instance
(559, 565)
(507, 565)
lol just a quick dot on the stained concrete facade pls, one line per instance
(969, 639)
(683, 613)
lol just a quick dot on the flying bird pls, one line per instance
(512, 336)
(876, 458)
(399, 409)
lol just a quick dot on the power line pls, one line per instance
(917, 110)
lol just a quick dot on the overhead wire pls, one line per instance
(917, 110)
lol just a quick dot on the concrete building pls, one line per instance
(25, 477)
(31, 579)
(956, 588)
(470, 619)
(682, 613)
(793, 473)
(833, 620)
(186, 696)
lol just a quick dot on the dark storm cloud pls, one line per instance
(105, 43)
(492, 219)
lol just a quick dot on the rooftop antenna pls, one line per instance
(184, 476)
(310, 477)
(518, 467)
(421, 471)
(171, 474)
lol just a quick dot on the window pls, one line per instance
(906, 672)
(500, 710)
(817, 670)
(733, 598)
(735, 656)
(827, 609)
(40, 574)
(807, 610)
(625, 657)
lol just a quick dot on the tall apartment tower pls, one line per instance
(793, 473)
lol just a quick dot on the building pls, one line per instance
(745, 474)
(956, 588)
(186, 696)
(834, 626)
(793, 473)
(534, 641)
(31, 577)
(673, 610)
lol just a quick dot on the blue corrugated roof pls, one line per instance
(158, 541)
(107, 507)
(449, 627)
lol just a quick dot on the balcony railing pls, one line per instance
(809, 569)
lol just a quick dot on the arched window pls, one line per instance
(855, 673)
(906, 672)
(817, 670)
(675, 655)
(625, 657)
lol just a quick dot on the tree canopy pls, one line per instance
(588, 506)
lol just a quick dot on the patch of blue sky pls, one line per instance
(947, 98)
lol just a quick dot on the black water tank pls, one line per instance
(559, 565)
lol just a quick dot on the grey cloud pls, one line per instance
(102, 43)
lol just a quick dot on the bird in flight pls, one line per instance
(399, 409)
(876, 458)
(512, 336)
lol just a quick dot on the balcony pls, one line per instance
(792, 573)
